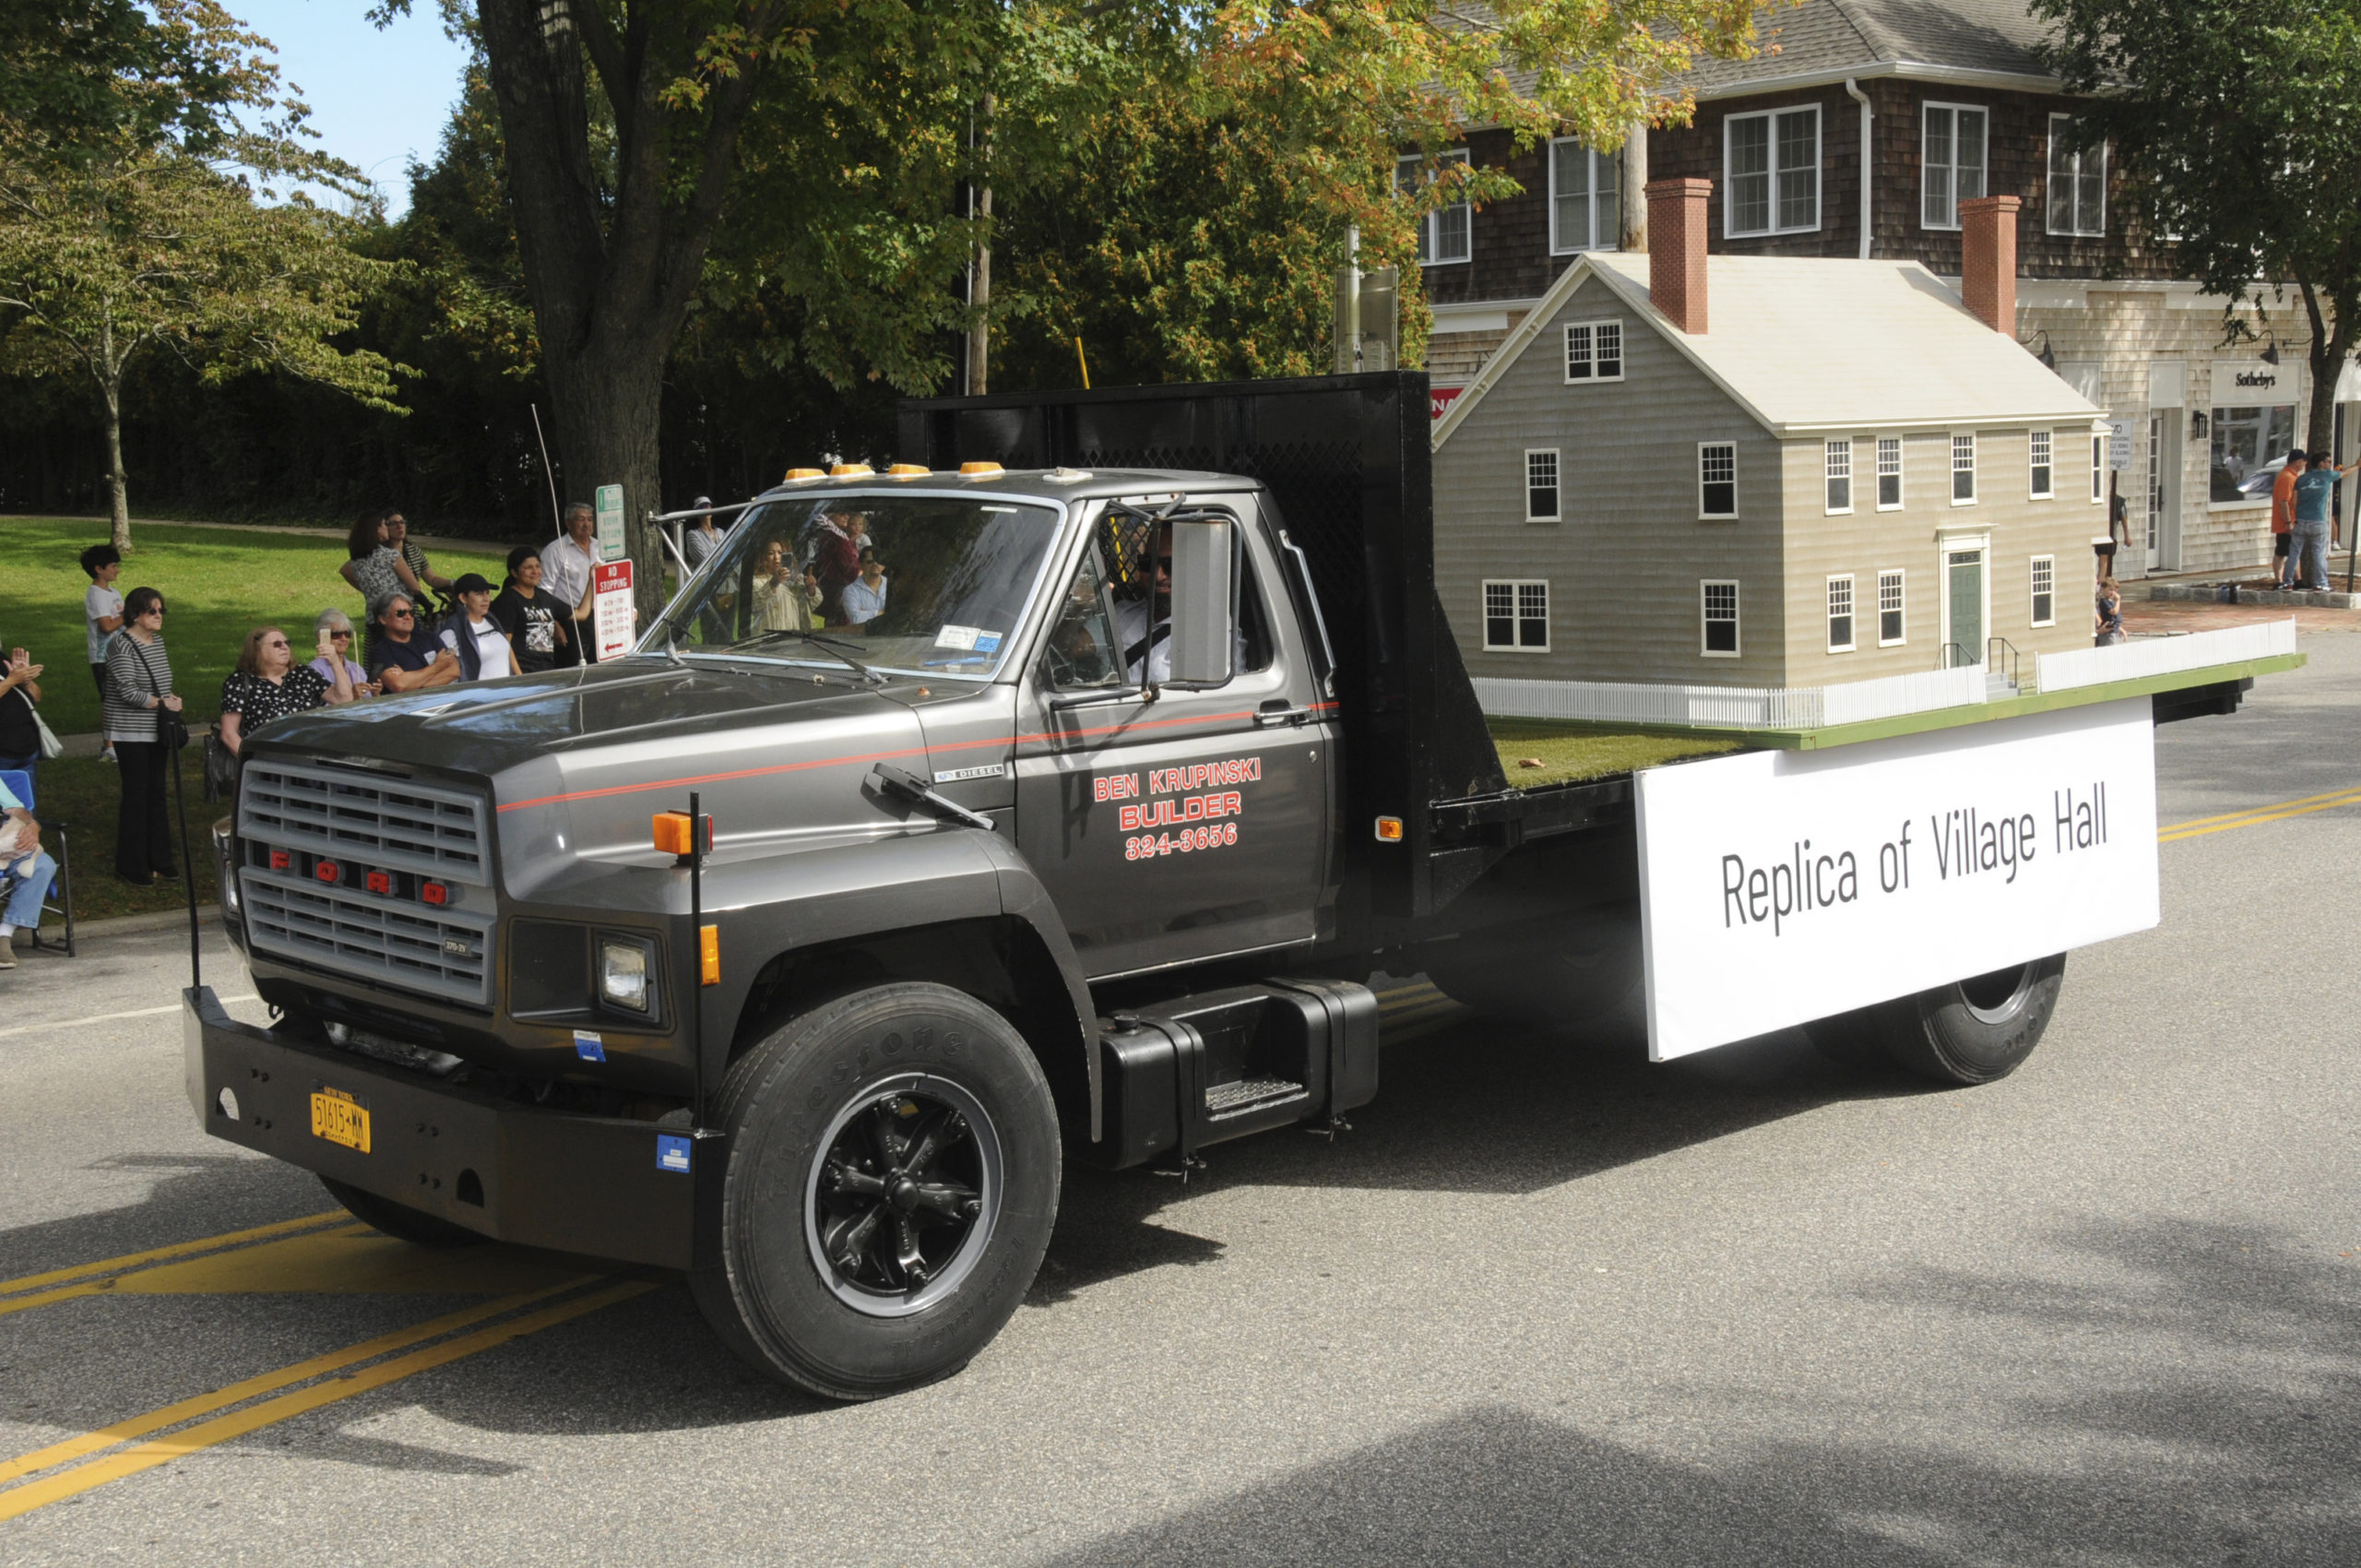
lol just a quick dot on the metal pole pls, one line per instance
(188, 869)
(548, 472)
(696, 949)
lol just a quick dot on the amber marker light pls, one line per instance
(908, 471)
(980, 470)
(1389, 830)
(795, 474)
(850, 470)
(709, 954)
(672, 832)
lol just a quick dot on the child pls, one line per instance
(103, 615)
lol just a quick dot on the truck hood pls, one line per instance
(578, 760)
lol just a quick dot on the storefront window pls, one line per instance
(2243, 440)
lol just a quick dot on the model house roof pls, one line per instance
(1806, 345)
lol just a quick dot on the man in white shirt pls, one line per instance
(474, 636)
(566, 562)
(864, 597)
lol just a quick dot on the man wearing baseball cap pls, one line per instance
(474, 635)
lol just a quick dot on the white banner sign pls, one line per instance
(1778, 888)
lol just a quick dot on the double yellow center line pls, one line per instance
(2254, 816)
(78, 1464)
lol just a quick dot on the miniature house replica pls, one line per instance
(1766, 473)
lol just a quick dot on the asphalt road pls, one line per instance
(1541, 1306)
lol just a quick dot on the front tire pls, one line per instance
(893, 1181)
(1970, 1032)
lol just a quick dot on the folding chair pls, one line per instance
(59, 899)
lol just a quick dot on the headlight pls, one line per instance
(623, 973)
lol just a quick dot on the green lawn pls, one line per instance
(82, 795)
(1569, 751)
(218, 584)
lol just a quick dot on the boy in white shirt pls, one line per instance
(102, 617)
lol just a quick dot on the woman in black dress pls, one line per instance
(139, 691)
(267, 683)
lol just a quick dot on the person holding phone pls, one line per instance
(19, 729)
(268, 683)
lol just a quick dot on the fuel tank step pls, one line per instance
(1189, 1071)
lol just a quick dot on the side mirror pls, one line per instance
(1203, 549)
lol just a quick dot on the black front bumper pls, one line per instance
(602, 1186)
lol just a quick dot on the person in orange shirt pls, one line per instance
(2283, 520)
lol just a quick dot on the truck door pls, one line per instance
(1193, 825)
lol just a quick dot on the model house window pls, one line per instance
(1595, 350)
(1963, 469)
(2098, 469)
(1718, 478)
(1444, 234)
(1541, 486)
(2045, 590)
(1836, 461)
(1950, 162)
(1719, 605)
(2077, 182)
(1516, 617)
(1771, 172)
(1889, 472)
(2043, 469)
(2243, 440)
(1839, 614)
(1888, 609)
(1585, 212)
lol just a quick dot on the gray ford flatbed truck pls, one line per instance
(1015, 871)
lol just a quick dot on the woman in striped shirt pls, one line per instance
(140, 689)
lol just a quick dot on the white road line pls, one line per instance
(111, 1018)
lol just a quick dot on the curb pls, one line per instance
(2211, 593)
(133, 925)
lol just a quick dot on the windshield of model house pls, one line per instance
(924, 585)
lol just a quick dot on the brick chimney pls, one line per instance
(1987, 270)
(1676, 211)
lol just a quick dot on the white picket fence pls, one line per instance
(2162, 656)
(1731, 707)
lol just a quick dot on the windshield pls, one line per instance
(915, 584)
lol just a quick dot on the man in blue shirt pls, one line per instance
(2313, 491)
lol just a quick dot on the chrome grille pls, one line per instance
(408, 945)
(391, 822)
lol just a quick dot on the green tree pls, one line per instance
(2236, 128)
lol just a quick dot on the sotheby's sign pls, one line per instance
(1778, 888)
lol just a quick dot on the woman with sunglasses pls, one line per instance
(333, 635)
(267, 683)
(138, 691)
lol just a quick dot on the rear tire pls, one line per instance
(401, 1221)
(1970, 1032)
(893, 1181)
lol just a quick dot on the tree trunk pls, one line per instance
(111, 393)
(979, 297)
(605, 398)
(1634, 236)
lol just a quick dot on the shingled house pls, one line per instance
(1766, 471)
(1941, 101)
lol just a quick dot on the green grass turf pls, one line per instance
(218, 584)
(1568, 753)
(83, 794)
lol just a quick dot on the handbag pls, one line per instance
(172, 730)
(220, 766)
(52, 748)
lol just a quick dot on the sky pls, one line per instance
(377, 98)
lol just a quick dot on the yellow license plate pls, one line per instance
(340, 1118)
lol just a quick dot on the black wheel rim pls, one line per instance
(901, 1200)
(1998, 997)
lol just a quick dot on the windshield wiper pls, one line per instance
(820, 640)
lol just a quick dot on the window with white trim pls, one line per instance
(1594, 351)
(2098, 469)
(2077, 182)
(2043, 476)
(2045, 590)
(1717, 609)
(1950, 162)
(1586, 206)
(1447, 234)
(1889, 473)
(1962, 471)
(1516, 616)
(1837, 468)
(1541, 484)
(1771, 172)
(1890, 627)
(1718, 478)
(1839, 614)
